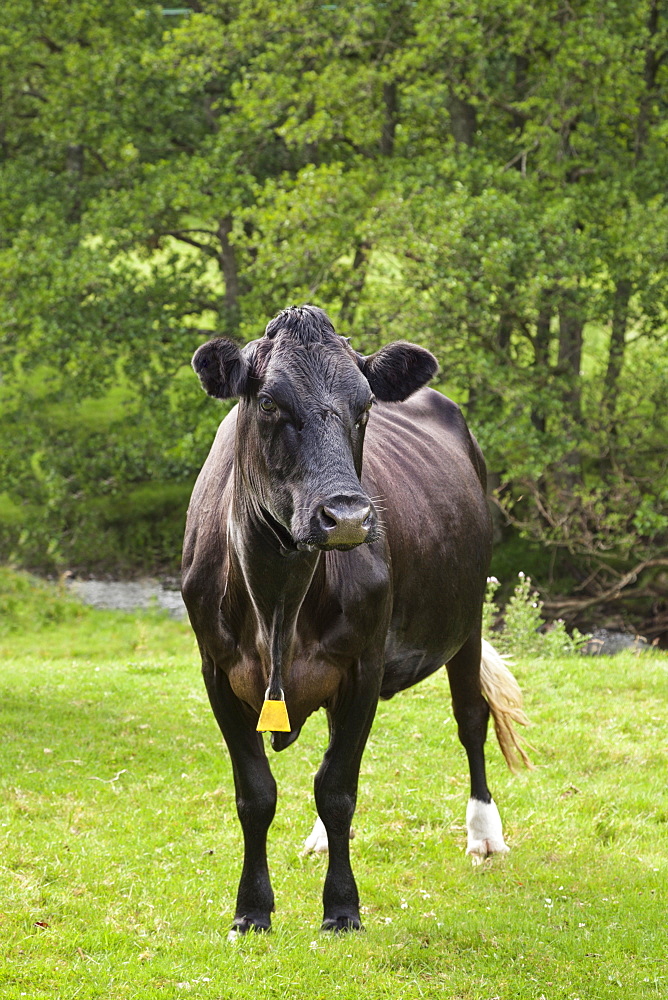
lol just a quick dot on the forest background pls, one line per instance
(486, 178)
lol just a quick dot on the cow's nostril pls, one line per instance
(328, 520)
(344, 521)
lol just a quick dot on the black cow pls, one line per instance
(315, 578)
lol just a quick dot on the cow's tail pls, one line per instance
(503, 695)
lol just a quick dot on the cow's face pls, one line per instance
(305, 399)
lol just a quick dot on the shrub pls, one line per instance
(28, 604)
(524, 631)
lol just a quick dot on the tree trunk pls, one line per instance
(522, 65)
(227, 261)
(541, 348)
(463, 119)
(391, 103)
(505, 329)
(74, 164)
(620, 313)
(652, 63)
(571, 324)
(351, 296)
(499, 522)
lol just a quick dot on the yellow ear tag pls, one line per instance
(274, 716)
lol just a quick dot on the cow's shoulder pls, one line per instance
(205, 541)
(221, 455)
(215, 473)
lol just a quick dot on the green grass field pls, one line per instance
(120, 849)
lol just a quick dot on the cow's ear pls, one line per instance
(398, 370)
(222, 368)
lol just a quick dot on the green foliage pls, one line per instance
(121, 848)
(524, 632)
(29, 605)
(107, 485)
(486, 180)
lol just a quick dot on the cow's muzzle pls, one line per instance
(342, 522)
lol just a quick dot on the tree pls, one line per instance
(485, 179)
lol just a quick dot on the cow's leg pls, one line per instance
(256, 801)
(336, 797)
(483, 823)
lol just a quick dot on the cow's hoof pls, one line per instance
(316, 842)
(336, 925)
(485, 833)
(242, 925)
(480, 850)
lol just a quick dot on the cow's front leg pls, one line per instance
(256, 802)
(336, 797)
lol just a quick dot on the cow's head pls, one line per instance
(305, 398)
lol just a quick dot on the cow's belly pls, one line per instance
(406, 664)
(405, 670)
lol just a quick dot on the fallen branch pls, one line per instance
(577, 604)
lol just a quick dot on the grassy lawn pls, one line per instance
(120, 849)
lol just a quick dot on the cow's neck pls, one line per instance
(275, 579)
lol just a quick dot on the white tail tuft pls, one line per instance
(503, 695)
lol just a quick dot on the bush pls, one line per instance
(29, 604)
(524, 631)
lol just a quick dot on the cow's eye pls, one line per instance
(363, 417)
(267, 405)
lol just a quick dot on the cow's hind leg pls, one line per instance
(336, 797)
(483, 823)
(256, 802)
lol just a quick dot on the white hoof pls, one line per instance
(316, 842)
(484, 831)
